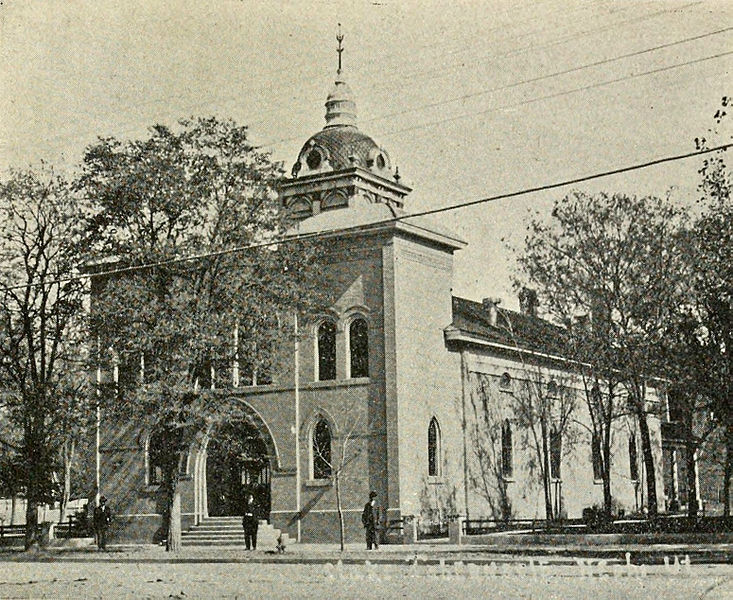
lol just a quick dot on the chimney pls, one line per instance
(491, 306)
(528, 302)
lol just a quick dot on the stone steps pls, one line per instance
(227, 531)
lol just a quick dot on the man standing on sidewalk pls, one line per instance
(102, 519)
(250, 522)
(369, 519)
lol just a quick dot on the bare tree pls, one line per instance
(484, 430)
(41, 325)
(335, 453)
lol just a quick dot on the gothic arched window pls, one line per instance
(321, 450)
(555, 453)
(507, 459)
(359, 348)
(163, 450)
(434, 448)
(633, 459)
(596, 457)
(326, 351)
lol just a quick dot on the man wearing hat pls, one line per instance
(369, 519)
(102, 519)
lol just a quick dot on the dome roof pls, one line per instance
(342, 147)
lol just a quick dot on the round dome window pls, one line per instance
(314, 159)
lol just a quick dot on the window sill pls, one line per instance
(317, 483)
(597, 481)
(508, 479)
(435, 480)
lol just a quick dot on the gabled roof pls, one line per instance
(513, 329)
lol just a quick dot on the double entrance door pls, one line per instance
(237, 465)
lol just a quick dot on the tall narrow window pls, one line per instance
(359, 348)
(165, 447)
(555, 453)
(596, 457)
(633, 459)
(507, 460)
(321, 449)
(327, 351)
(434, 448)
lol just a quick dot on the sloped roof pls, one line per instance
(512, 328)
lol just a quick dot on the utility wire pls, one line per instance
(371, 226)
(279, 109)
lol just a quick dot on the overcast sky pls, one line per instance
(470, 99)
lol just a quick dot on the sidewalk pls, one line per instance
(424, 553)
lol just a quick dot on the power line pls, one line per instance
(524, 102)
(548, 76)
(375, 225)
(438, 72)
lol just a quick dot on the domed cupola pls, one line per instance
(341, 149)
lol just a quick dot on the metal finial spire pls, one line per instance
(339, 39)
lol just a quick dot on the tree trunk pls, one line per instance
(339, 509)
(606, 472)
(13, 502)
(68, 457)
(648, 457)
(728, 474)
(173, 540)
(692, 506)
(546, 472)
(31, 524)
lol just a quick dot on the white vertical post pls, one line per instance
(98, 423)
(296, 430)
(675, 476)
(235, 366)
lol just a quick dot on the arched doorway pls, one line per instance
(237, 464)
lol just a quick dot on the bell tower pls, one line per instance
(339, 166)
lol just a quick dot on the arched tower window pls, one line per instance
(505, 383)
(326, 351)
(507, 459)
(359, 348)
(434, 448)
(321, 450)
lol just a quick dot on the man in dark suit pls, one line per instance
(370, 519)
(250, 523)
(102, 519)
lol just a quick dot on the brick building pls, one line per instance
(397, 365)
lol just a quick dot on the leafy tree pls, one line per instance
(701, 338)
(182, 329)
(617, 259)
(41, 327)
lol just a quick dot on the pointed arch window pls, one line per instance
(434, 466)
(326, 347)
(359, 348)
(596, 457)
(555, 453)
(507, 458)
(164, 449)
(321, 450)
(633, 459)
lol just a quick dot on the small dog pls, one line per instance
(280, 547)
